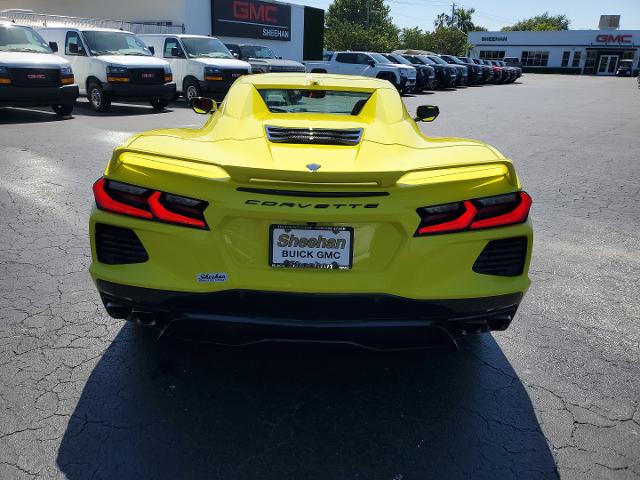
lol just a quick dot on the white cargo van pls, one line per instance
(201, 65)
(30, 74)
(113, 64)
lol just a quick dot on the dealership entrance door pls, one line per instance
(608, 64)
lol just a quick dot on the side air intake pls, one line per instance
(503, 257)
(116, 245)
(317, 136)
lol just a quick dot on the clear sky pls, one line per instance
(494, 14)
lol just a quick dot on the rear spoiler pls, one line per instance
(249, 174)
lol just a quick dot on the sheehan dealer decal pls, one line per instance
(215, 277)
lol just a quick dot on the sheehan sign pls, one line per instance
(251, 19)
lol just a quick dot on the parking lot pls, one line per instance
(556, 395)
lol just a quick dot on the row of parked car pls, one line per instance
(54, 65)
(416, 71)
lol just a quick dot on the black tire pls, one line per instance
(190, 90)
(159, 103)
(63, 109)
(99, 101)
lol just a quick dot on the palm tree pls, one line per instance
(463, 19)
(442, 20)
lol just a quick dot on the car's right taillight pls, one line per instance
(149, 204)
(476, 214)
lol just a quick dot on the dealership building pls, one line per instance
(589, 52)
(292, 31)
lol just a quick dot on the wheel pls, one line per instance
(191, 90)
(63, 109)
(100, 101)
(159, 103)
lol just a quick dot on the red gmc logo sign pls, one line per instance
(249, 11)
(148, 75)
(36, 76)
(608, 38)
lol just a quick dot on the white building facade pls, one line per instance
(292, 31)
(589, 52)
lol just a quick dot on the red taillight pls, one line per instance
(106, 202)
(475, 214)
(162, 213)
(149, 204)
(518, 215)
(460, 222)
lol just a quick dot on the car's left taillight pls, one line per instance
(476, 214)
(149, 204)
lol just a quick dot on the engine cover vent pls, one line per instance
(316, 136)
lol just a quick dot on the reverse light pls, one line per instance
(148, 204)
(476, 214)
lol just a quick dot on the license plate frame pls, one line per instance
(338, 232)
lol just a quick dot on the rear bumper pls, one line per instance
(376, 321)
(36, 96)
(134, 92)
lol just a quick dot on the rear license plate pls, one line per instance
(294, 246)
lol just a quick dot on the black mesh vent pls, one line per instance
(115, 245)
(319, 136)
(503, 257)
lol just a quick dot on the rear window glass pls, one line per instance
(314, 101)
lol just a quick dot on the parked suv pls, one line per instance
(30, 74)
(474, 71)
(262, 59)
(113, 64)
(368, 64)
(462, 77)
(425, 74)
(200, 65)
(446, 75)
(485, 70)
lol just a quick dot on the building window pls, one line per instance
(576, 59)
(590, 62)
(534, 58)
(492, 54)
(565, 59)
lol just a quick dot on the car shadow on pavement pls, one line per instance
(83, 108)
(172, 409)
(28, 115)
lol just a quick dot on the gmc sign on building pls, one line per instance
(251, 19)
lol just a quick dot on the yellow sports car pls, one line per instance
(311, 207)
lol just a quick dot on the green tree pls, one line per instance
(360, 25)
(447, 40)
(541, 22)
(413, 38)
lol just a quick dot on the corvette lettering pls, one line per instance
(312, 205)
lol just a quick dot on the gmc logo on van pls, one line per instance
(36, 76)
(604, 38)
(247, 10)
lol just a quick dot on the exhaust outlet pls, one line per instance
(144, 319)
(115, 310)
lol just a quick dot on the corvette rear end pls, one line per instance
(310, 207)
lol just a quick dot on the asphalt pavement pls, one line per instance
(556, 395)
